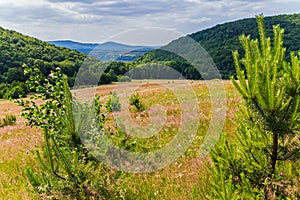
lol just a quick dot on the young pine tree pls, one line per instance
(262, 161)
(67, 170)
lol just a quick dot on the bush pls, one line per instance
(137, 103)
(113, 103)
(3, 89)
(124, 79)
(14, 90)
(8, 120)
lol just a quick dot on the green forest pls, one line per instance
(220, 40)
(18, 50)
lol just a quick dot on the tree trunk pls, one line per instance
(274, 155)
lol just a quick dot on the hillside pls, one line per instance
(220, 40)
(17, 49)
(108, 51)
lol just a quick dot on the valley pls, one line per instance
(211, 115)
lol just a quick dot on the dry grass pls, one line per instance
(173, 182)
(178, 180)
(16, 145)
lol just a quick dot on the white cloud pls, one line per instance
(285, 1)
(146, 36)
(193, 21)
(95, 21)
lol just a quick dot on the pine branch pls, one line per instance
(256, 104)
(286, 111)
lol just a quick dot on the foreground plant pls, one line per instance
(8, 120)
(113, 103)
(135, 100)
(262, 161)
(67, 169)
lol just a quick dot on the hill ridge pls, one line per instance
(220, 40)
(17, 49)
(107, 51)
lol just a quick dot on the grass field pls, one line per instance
(17, 144)
(177, 181)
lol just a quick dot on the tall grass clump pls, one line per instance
(261, 161)
(8, 120)
(113, 103)
(135, 100)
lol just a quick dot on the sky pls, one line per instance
(138, 22)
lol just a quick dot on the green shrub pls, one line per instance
(113, 103)
(135, 101)
(14, 90)
(8, 120)
(3, 89)
(124, 79)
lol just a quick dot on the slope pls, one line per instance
(220, 40)
(17, 49)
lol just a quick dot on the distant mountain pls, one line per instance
(108, 51)
(220, 40)
(81, 47)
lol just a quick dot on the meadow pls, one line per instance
(179, 180)
(256, 115)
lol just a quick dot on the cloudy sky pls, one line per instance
(149, 22)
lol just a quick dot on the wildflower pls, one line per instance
(281, 174)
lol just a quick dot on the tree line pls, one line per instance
(220, 40)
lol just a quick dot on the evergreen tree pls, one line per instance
(66, 166)
(271, 92)
(262, 160)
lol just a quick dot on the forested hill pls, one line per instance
(221, 40)
(17, 49)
